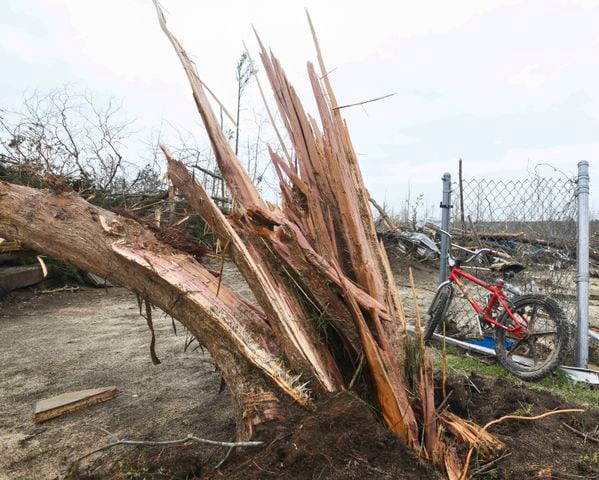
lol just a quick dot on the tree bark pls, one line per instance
(235, 333)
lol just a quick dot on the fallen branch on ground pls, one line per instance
(57, 290)
(586, 436)
(164, 443)
(225, 458)
(487, 466)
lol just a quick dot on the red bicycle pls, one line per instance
(530, 331)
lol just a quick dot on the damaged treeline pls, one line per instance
(330, 314)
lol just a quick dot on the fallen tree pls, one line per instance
(328, 301)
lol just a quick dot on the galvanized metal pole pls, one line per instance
(445, 209)
(582, 278)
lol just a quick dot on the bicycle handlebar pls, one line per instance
(474, 253)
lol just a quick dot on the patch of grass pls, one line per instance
(588, 463)
(140, 474)
(557, 383)
(525, 409)
(64, 272)
(413, 353)
(464, 364)
(561, 385)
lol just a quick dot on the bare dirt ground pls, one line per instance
(55, 343)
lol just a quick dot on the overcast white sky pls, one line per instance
(503, 84)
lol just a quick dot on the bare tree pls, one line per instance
(70, 135)
(243, 74)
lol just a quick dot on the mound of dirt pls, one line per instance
(536, 449)
(340, 441)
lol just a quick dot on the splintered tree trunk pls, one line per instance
(324, 230)
(328, 302)
(235, 333)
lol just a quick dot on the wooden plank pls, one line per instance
(12, 278)
(97, 280)
(69, 402)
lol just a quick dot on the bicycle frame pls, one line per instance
(497, 295)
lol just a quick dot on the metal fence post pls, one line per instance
(445, 210)
(582, 278)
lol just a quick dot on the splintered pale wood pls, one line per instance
(330, 211)
(69, 402)
(324, 240)
(321, 202)
(395, 406)
(468, 432)
(427, 401)
(376, 253)
(329, 181)
(201, 288)
(280, 304)
(310, 205)
(453, 466)
(238, 181)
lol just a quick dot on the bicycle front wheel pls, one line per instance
(544, 346)
(438, 309)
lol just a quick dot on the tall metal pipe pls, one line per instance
(445, 209)
(582, 277)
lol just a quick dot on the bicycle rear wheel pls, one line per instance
(438, 309)
(542, 350)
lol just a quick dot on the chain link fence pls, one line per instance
(534, 221)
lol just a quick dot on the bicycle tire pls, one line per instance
(438, 309)
(562, 334)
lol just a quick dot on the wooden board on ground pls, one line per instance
(12, 278)
(96, 280)
(68, 402)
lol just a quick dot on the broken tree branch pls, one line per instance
(164, 443)
(364, 102)
(586, 436)
(235, 333)
(390, 223)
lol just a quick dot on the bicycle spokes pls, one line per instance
(540, 340)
